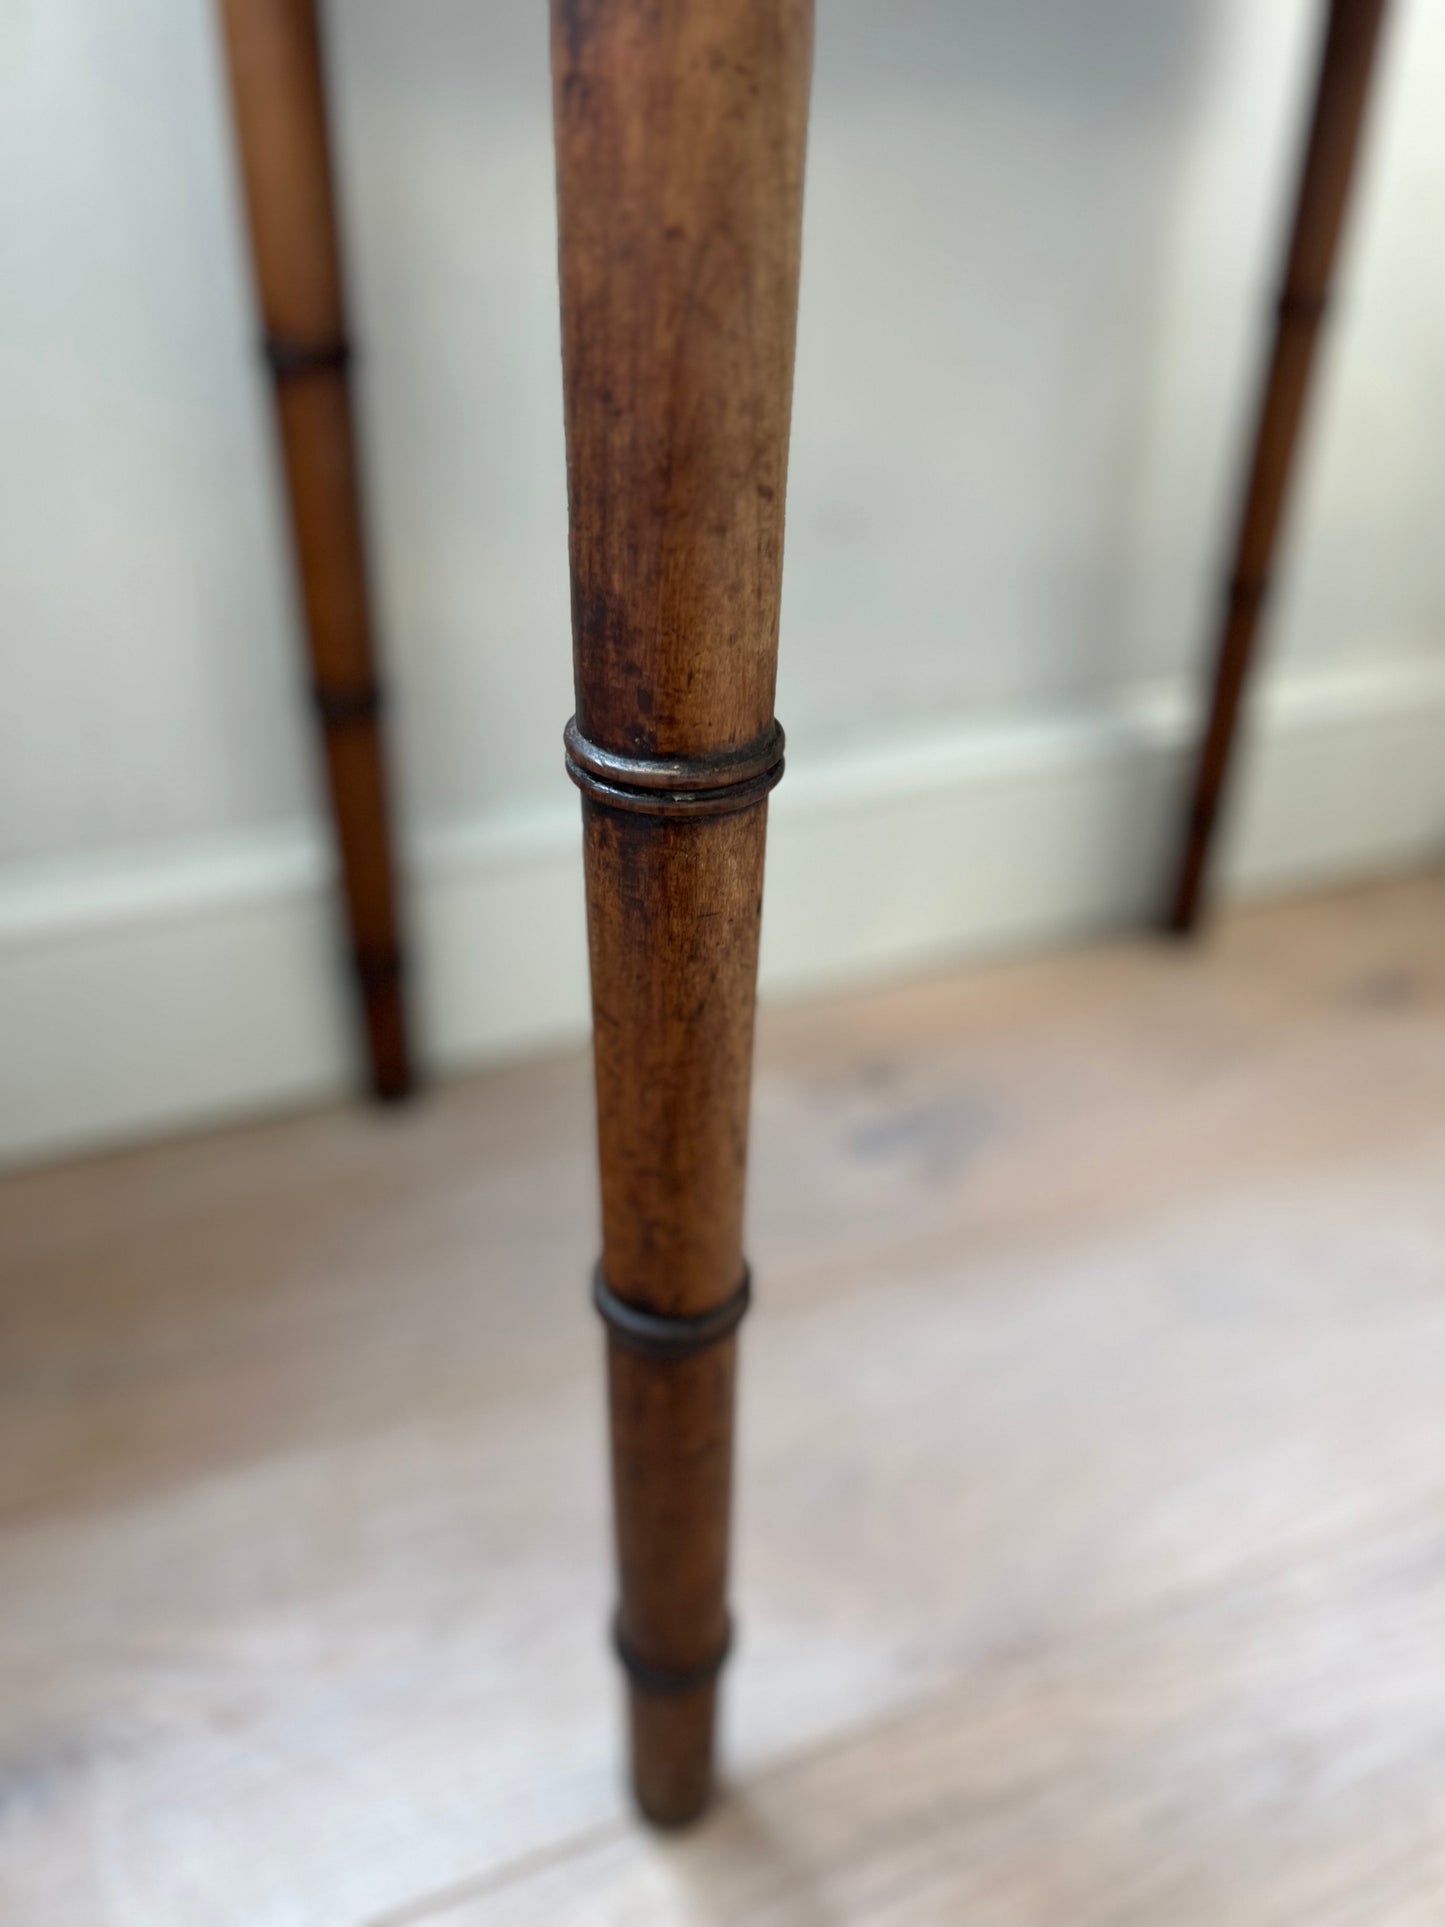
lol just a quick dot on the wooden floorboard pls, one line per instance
(1092, 1511)
(1270, 1751)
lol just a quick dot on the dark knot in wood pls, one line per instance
(668, 1335)
(734, 779)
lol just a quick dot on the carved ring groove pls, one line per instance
(341, 707)
(676, 785)
(1247, 593)
(662, 1679)
(377, 965)
(291, 359)
(666, 1335)
(1302, 307)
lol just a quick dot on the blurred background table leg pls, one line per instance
(279, 105)
(1341, 93)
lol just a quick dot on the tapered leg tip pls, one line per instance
(672, 1754)
(398, 1090)
(388, 1053)
(391, 1079)
(1185, 913)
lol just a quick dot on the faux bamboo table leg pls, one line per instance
(680, 136)
(279, 107)
(1341, 92)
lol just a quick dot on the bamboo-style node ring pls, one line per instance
(340, 706)
(1299, 306)
(734, 779)
(665, 1680)
(290, 359)
(669, 1335)
(377, 964)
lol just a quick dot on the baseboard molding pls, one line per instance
(155, 991)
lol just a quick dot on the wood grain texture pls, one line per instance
(274, 61)
(679, 137)
(1342, 91)
(674, 916)
(1091, 1475)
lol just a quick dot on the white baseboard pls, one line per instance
(153, 991)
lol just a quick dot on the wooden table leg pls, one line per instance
(680, 137)
(1341, 92)
(279, 107)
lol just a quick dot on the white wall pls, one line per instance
(1038, 253)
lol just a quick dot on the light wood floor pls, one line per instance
(1091, 1555)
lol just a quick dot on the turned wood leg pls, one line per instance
(680, 135)
(279, 108)
(1341, 92)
